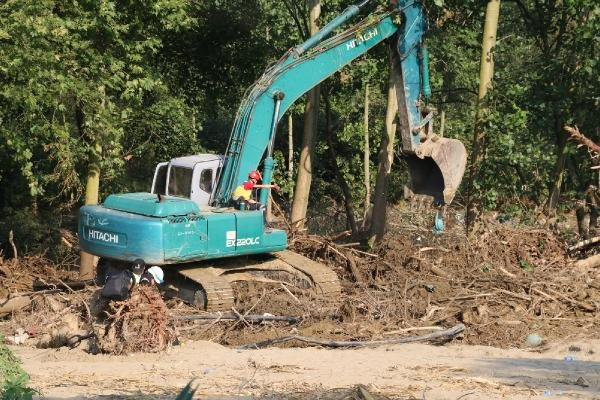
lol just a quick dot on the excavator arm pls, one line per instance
(308, 64)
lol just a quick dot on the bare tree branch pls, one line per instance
(446, 334)
(575, 134)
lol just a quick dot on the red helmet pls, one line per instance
(254, 175)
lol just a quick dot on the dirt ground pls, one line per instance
(504, 282)
(413, 371)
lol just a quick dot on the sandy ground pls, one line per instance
(402, 371)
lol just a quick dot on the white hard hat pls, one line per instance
(157, 273)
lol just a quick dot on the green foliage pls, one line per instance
(76, 80)
(34, 231)
(13, 379)
(164, 129)
(72, 74)
(542, 81)
(526, 266)
(131, 83)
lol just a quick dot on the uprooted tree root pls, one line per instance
(137, 324)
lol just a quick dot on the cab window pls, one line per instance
(206, 180)
(180, 181)
(160, 182)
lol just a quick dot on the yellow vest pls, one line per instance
(241, 192)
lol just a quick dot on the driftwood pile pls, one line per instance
(503, 283)
(17, 278)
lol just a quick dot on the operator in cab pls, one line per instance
(242, 195)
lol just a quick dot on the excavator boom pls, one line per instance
(306, 65)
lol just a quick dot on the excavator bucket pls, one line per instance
(437, 169)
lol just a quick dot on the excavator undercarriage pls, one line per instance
(208, 284)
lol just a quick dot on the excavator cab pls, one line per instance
(190, 177)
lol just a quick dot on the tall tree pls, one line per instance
(486, 72)
(87, 261)
(290, 174)
(386, 151)
(311, 119)
(366, 159)
(340, 179)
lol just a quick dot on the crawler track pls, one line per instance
(284, 266)
(325, 281)
(217, 290)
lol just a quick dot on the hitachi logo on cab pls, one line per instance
(103, 236)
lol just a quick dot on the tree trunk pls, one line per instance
(486, 72)
(338, 174)
(367, 157)
(290, 155)
(386, 152)
(442, 122)
(559, 166)
(87, 264)
(88, 261)
(311, 114)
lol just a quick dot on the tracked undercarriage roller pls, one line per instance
(208, 285)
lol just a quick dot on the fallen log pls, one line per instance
(580, 137)
(446, 334)
(62, 286)
(590, 262)
(250, 318)
(584, 243)
(13, 304)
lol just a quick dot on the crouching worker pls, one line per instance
(153, 276)
(120, 282)
(242, 195)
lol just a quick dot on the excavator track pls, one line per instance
(217, 290)
(215, 279)
(325, 281)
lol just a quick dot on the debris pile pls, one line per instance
(17, 278)
(506, 283)
(140, 323)
(18, 275)
(503, 283)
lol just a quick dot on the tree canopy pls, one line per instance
(135, 82)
